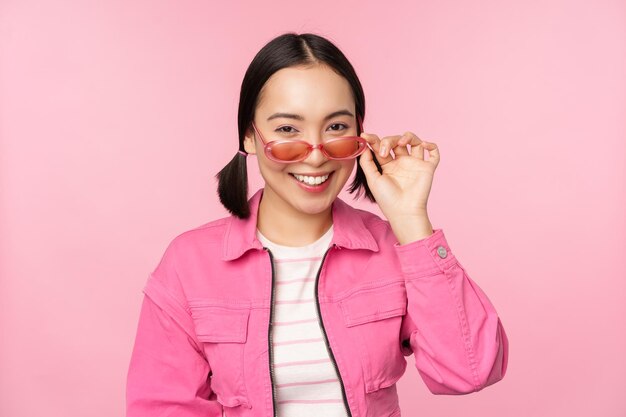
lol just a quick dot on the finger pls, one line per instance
(368, 165)
(415, 143)
(371, 138)
(396, 144)
(410, 138)
(418, 151)
(388, 143)
(433, 152)
(401, 148)
(375, 143)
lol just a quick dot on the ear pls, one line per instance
(248, 142)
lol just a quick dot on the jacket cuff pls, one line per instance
(427, 256)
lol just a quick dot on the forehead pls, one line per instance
(312, 92)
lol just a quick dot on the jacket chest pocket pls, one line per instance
(373, 317)
(223, 332)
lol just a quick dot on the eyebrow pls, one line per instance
(301, 118)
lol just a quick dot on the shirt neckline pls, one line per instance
(318, 246)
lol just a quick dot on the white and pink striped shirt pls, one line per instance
(305, 381)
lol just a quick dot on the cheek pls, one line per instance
(269, 170)
(347, 167)
(268, 166)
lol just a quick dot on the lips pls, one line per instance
(316, 188)
(311, 180)
(311, 174)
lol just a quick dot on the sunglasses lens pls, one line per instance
(290, 151)
(343, 148)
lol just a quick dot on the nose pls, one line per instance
(316, 157)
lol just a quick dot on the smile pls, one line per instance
(311, 180)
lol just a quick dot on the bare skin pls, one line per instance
(289, 215)
(292, 216)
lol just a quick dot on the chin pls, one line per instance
(313, 205)
(316, 205)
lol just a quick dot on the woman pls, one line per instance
(298, 304)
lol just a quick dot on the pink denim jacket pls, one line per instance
(202, 346)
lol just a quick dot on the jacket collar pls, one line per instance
(349, 231)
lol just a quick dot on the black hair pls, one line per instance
(287, 50)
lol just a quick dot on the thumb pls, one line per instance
(368, 165)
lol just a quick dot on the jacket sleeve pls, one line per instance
(168, 375)
(451, 326)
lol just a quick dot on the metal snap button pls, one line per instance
(442, 252)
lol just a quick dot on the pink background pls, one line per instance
(116, 115)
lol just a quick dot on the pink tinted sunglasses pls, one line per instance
(340, 148)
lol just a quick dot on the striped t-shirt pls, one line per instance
(305, 381)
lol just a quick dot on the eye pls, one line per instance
(280, 129)
(341, 126)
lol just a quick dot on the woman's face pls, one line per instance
(310, 95)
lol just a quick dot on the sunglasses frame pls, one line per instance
(267, 146)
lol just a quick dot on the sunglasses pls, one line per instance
(340, 148)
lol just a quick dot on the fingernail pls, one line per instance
(383, 149)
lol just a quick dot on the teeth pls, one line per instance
(311, 180)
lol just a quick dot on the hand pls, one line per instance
(402, 190)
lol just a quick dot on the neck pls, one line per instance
(284, 225)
